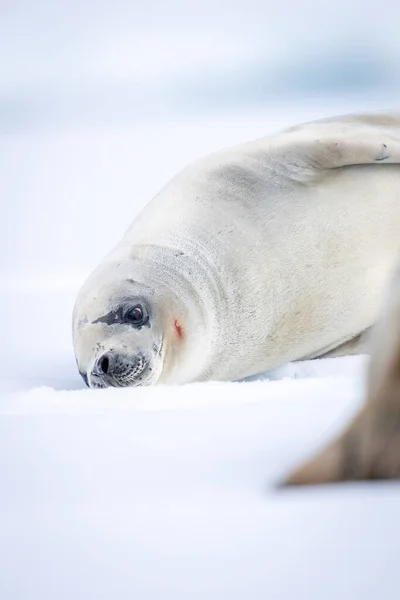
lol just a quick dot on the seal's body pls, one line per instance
(268, 252)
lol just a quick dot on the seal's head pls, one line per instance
(122, 328)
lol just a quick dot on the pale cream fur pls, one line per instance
(275, 250)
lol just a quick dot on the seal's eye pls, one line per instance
(136, 316)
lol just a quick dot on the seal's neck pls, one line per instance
(192, 296)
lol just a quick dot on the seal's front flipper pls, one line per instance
(360, 344)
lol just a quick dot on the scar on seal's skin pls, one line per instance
(179, 329)
(384, 154)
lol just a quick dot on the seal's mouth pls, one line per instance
(120, 373)
(115, 369)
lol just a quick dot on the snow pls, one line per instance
(170, 492)
(167, 493)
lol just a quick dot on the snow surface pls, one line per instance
(164, 493)
(171, 493)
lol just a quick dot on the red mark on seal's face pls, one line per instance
(178, 329)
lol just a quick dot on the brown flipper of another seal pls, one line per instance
(369, 448)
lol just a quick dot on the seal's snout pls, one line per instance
(118, 370)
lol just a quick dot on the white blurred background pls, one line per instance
(102, 102)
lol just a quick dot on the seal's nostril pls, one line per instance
(104, 364)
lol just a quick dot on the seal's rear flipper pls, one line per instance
(310, 151)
